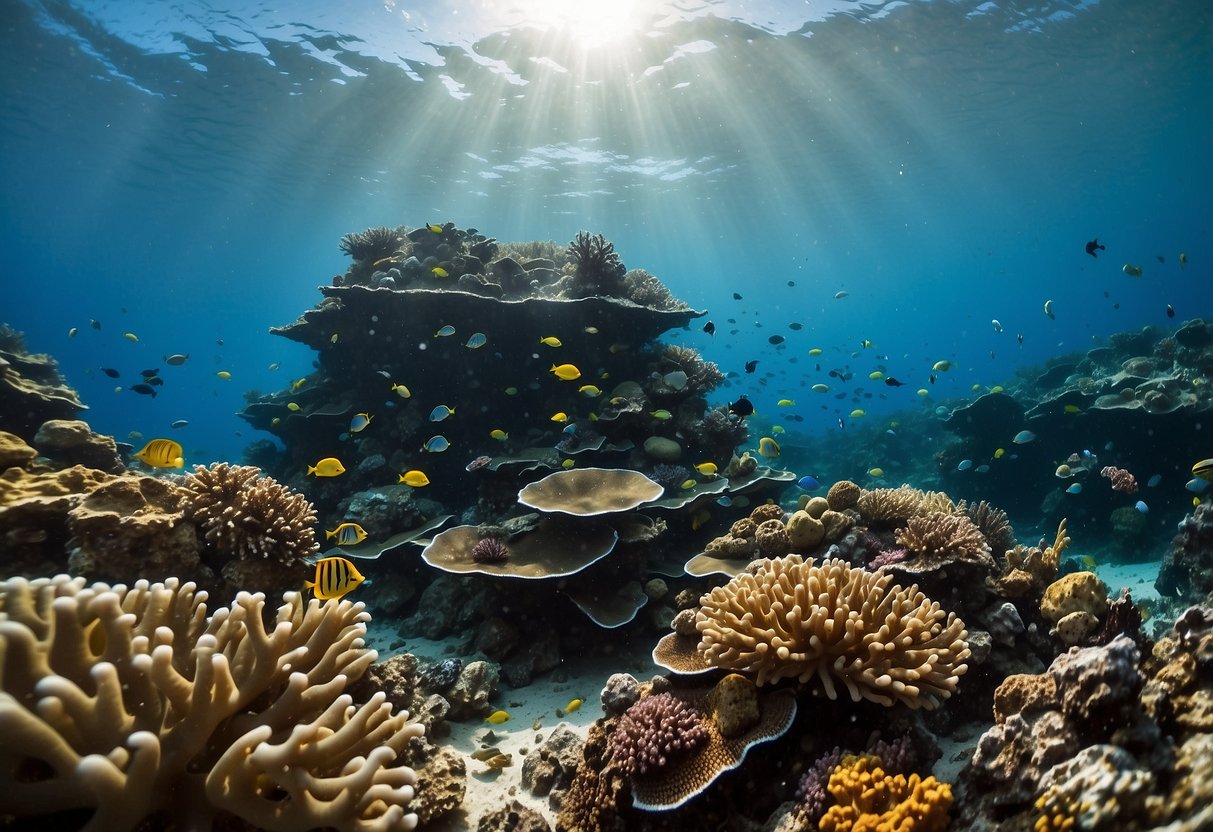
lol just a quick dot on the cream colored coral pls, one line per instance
(790, 619)
(951, 535)
(248, 515)
(889, 505)
(131, 702)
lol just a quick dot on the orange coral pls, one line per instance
(868, 800)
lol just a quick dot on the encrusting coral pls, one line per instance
(129, 703)
(249, 516)
(833, 623)
(868, 800)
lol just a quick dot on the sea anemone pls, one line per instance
(490, 550)
(371, 244)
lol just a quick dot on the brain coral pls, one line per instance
(834, 623)
(249, 516)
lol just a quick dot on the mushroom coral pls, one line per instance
(130, 706)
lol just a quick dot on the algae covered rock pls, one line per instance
(1072, 593)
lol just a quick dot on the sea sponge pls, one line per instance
(656, 731)
(868, 800)
(943, 534)
(833, 623)
(804, 531)
(843, 494)
(1078, 591)
(767, 511)
(733, 705)
(1076, 626)
(248, 516)
(111, 694)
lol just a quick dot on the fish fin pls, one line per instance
(329, 535)
(311, 469)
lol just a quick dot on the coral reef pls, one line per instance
(31, 390)
(657, 731)
(868, 800)
(372, 244)
(1186, 571)
(945, 536)
(128, 704)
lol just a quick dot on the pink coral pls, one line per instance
(1122, 480)
(654, 731)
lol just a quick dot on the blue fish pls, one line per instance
(445, 331)
(1142, 507)
(436, 444)
(570, 428)
(965, 465)
(476, 341)
(808, 483)
(724, 501)
(440, 412)
(1076, 488)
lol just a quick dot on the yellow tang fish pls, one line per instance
(998, 452)
(857, 413)
(162, 453)
(565, 372)
(297, 383)
(401, 391)
(876, 472)
(347, 534)
(1072, 408)
(550, 341)
(568, 463)
(573, 705)
(438, 271)
(414, 479)
(335, 578)
(560, 417)
(497, 717)
(997, 388)
(293, 407)
(589, 391)
(327, 467)
(785, 403)
(1203, 469)
(687, 485)
(437, 229)
(499, 434)
(876, 375)
(815, 351)
(706, 468)
(662, 415)
(777, 429)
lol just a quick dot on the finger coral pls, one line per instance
(248, 516)
(868, 800)
(131, 706)
(834, 624)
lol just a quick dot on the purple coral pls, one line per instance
(811, 794)
(656, 730)
(669, 477)
(490, 550)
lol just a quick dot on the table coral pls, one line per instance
(868, 800)
(134, 705)
(834, 624)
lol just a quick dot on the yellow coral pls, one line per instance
(1057, 812)
(868, 800)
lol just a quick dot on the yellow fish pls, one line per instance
(568, 463)
(293, 407)
(998, 452)
(1204, 470)
(347, 534)
(997, 388)
(768, 447)
(687, 485)
(437, 229)
(876, 375)
(335, 578)
(922, 391)
(224, 374)
(1072, 408)
(565, 372)
(162, 453)
(589, 391)
(401, 391)
(560, 417)
(785, 403)
(662, 415)
(130, 336)
(942, 366)
(297, 383)
(815, 351)
(414, 479)
(777, 429)
(876, 472)
(497, 717)
(438, 271)
(499, 434)
(359, 422)
(857, 413)
(866, 344)
(975, 388)
(706, 468)
(573, 705)
(550, 341)
(333, 339)
(276, 421)
(1088, 561)
(327, 467)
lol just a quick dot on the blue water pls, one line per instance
(184, 173)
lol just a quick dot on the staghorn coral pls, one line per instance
(833, 623)
(372, 244)
(248, 516)
(132, 704)
(1029, 569)
(658, 730)
(868, 800)
(889, 506)
(992, 522)
(597, 269)
(946, 536)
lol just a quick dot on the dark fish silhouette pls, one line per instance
(892, 382)
(1019, 338)
(736, 296)
(791, 282)
(94, 323)
(743, 407)
(750, 366)
(155, 381)
(150, 373)
(1170, 311)
(109, 371)
(795, 327)
(1094, 246)
(709, 328)
(776, 339)
(143, 390)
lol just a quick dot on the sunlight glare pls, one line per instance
(588, 23)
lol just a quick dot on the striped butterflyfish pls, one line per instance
(335, 577)
(1203, 469)
(347, 534)
(162, 453)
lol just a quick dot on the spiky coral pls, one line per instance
(993, 523)
(889, 506)
(950, 536)
(832, 623)
(597, 268)
(655, 732)
(702, 376)
(372, 244)
(248, 516)
(720, 432)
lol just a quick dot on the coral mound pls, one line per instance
(132, 704)
(655, 732)
(834, 623)
(249, 516)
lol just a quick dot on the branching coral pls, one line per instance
(993, 523)
(656, 731)
(249, 516)
(889, 506)
(597, 268)
(1031, 569)
(371, 244)
(702, 376)
(131, 704)
(868, 800)
(644, 289)
(721, 432)
(950, 536)
(834, 624)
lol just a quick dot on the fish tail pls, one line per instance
(329, 535)
(311, 469)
